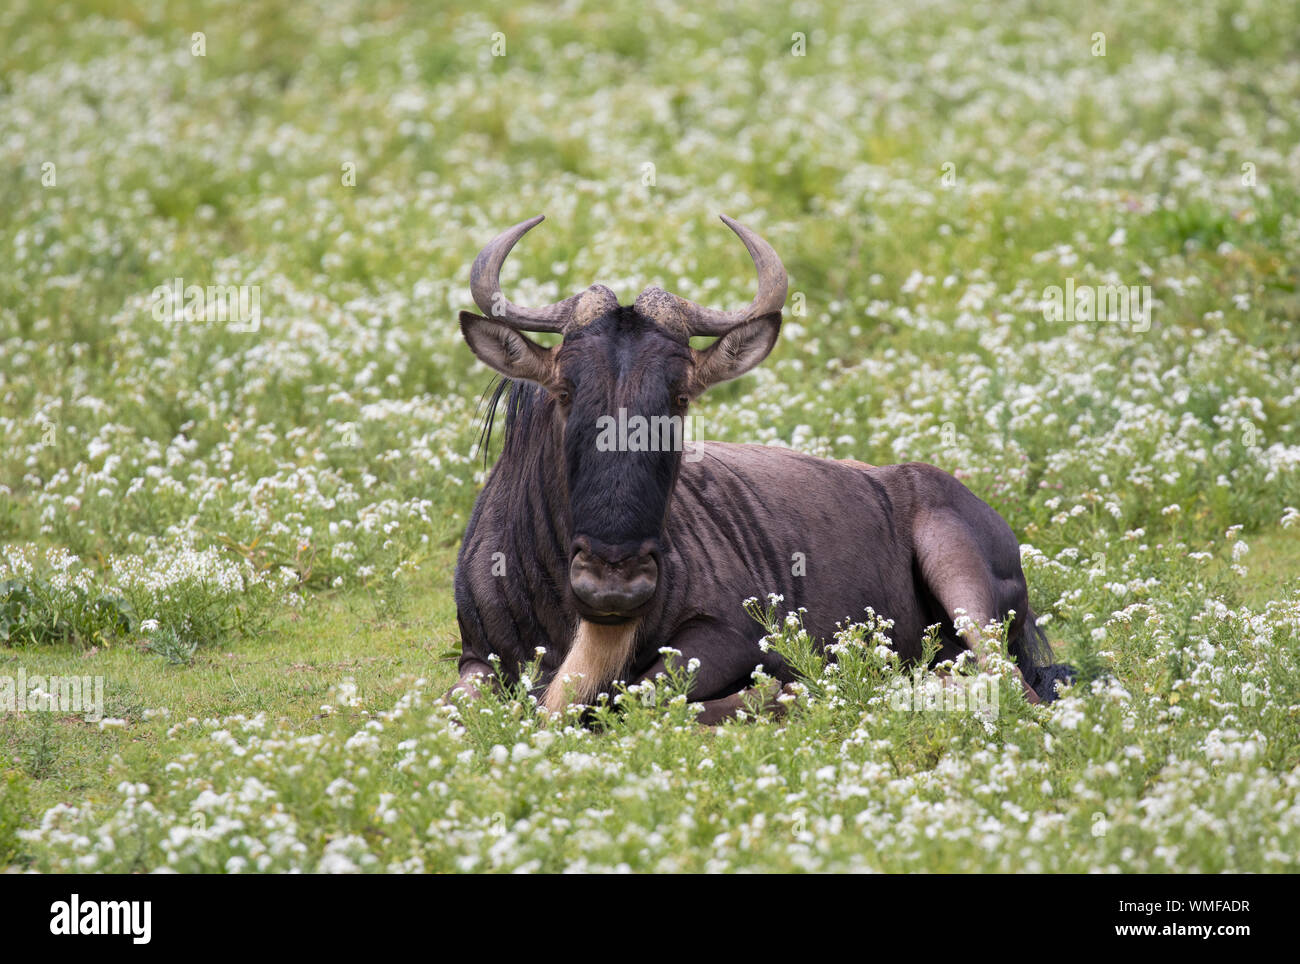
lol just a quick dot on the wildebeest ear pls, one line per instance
(505, 350)
(737, 351)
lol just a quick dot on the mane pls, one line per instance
(524, 402)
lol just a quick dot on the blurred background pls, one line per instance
(926, 173)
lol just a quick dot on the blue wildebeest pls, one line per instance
(604, 554)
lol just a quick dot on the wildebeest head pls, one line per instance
(619, 385)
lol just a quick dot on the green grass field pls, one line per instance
(248, 531)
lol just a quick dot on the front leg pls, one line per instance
(726, 664)
(763, 699)
(473, 672)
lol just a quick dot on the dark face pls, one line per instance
(622, 389)
(620, 386)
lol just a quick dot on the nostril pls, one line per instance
(613, 588)
(585, 562)
(641, 575)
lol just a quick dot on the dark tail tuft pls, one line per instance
(1033, 654)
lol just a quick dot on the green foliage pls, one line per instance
(36, 612)
(13, 814)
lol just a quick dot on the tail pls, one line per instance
(1033, 654)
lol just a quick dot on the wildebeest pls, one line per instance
(604, 554)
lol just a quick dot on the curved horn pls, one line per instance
(674, 311)
(485, 285)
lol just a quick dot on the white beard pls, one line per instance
(598, 655)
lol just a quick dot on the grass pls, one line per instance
(249, 532)
(382, 645)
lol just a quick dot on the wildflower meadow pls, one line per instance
(1051, 248)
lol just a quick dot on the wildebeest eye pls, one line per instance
(683, 400)
(562, 396)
